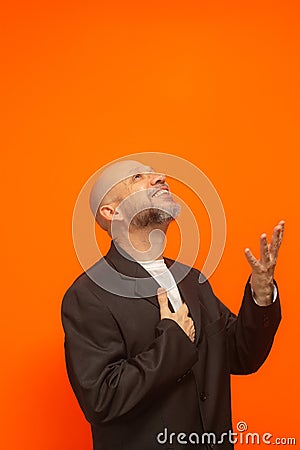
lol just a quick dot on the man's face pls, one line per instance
(144, 197)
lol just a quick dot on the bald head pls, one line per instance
(103, 189)
(129, 192)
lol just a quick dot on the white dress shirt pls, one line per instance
(160, 272)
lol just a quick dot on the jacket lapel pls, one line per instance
(141, 284)
(144, 286)
(188, 293)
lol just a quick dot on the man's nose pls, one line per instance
(157, 178)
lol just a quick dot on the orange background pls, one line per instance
(83, 83)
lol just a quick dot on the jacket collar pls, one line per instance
(145, 286)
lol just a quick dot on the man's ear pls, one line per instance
(110, 213)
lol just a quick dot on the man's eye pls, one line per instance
(137, 176)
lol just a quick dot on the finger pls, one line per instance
(184, 309)
(264, 249)
(251, 259)
(163, 301)
(276, 239)
(192, 333)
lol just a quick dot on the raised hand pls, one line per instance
(180, 316)
(263, 269)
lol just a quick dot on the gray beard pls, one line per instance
(152, 216)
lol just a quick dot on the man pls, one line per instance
(149, 348)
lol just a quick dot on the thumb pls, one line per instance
(163, 302)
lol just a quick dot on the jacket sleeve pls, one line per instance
(250, 334)
(106, 383)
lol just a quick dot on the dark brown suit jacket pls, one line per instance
(138, 378)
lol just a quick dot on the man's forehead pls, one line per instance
(140, 168)
(122, 170)
(113, 175)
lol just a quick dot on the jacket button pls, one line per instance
(211, 445)
(203, 396)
